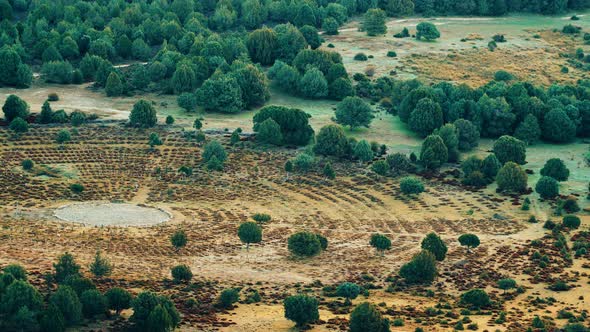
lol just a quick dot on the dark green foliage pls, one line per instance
(66, 266)
(304, 244)
(508, 148)
(20, 294)
(362, 151)
(411, 186)
(449, 135)
(366, 317)
(114, 86)
(547, 187)
(261, 217)
(67, 302)
(348, 290)
(52, 320)
(331, 141)
(19, 126)
(221, 94)
(187, 101)
(228, 297)
(427, 31)
(571, 221)
(169, 120)
(27, 164)
(434, 153)
(476, 298)
(59, 72)
(374, 22)
(269, 132)
(328, 171)
(311, 35)
(214, 155)
(556, 169)
(313, 84)
(301, 309)
(511, 178)
(506, 284)
(146, 317)
(154, 139)
(14, 107)
(118, 299)
(101, 266)
(77, 188)
(181, 273)
(491, 166)
(558, 127)
(399, 163)
(380, 242)
(250, 232)
(469, 240)
(330, 26)
(435, 245)
(262, 45)
(143, 115)
(360, 57)
(93, 303)
(528, 130)
(253, 84)
(354, 112)
(421, 269)
(303, 162)
(46, 114)
(502, 75)
(178, 239)
(380, 167)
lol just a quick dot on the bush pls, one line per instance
(571, 29)
(476, 298)
(502, 75)
(391, 54)
(508, 148)
(228, 297)
(469, 240)
(547, 187)
(348, 290)
(17, 271)
(301, 309)
(511, 178)
(380, 242)
(360, 57)
(435, 245)
(304, 244)
(556, 169)
(261, 217)
(93, 303)
(427, 31)
(380, 167)
(27, 164)
(411, 186)
(143, 115)
(182, 273)
(421, 269)
(53, 96)
(366, 317)
(571, 221)
(118, 299)
(250, 232)
(77, 188)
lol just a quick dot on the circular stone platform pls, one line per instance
(111, 214)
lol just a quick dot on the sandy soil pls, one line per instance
(111, 214)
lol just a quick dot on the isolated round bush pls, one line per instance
(556, 169)
(348, 290)
(476, 298)
(366, 317)
(511, 177)
(143, 115)
(571, 221)
(181, 273)
(411, 186)
(380, 242)
(360, 57)
(250, 232)
(228, 297)
(506, 284)
(427, 31)
(469, 240)
(27, 164)
(508, 148)
(547, 187)
(301, 309)
(304, 244)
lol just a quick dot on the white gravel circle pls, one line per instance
(111, 214)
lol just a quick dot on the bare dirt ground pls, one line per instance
(115, 164)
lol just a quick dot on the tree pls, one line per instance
(434, 153)
(52, 320)
(435, 245)
(262, 45)
(366, 317)
(349, 291)
(184, 78)
(27, 164)
(101, 266)
(144, 306)
(508, 148)
(331, 141)
(506, 284)
(556, 169)
(14, 107)
(490, 166)
(354, 112)
(66, 266)
(411, 186)
(253, 84)
(24, 76)
(19, 126)
(9, 65)
(93, 303)
(118, 299)
(290, 41)
(421, 269)
(46, 113)
(427, 31)
(228, 297)
(77, 118)
(512, 178)
(221, 94)
(294, 123)
(328, 171)
(374, 22)
(153, 140)
(449, 135)
(547, 187)
(558, 127)
(313, 84)
(571, 221)
(67, 302)
(304, 244)
(114, 86)
(528, 130)
(269, 132)
(181, 273)
(301, 309)
(310, 33)
(20, 294)
(476, 298)
(330, 26)
(169, 120)
(143, 115)
(469, 240)
(362, 151)
(187, 100)
(426, 117)
(159, 320)
(250, 232)
(380, 242)
(214, 149)
(63, 136)
(178, 240)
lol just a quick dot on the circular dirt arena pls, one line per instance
(111, 214)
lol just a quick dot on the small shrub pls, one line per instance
(391, 54)
(360, 57)
(27, 164)
(53, 96)
(228, 297)
(181, 273)
(261, 217)
(571, 221)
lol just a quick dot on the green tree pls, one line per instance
(220, 94)
(558, 127)
(14, 107)
(66, 266)
(435, 245)
(269, 132)
(46, 113)
(77, 118)
(310, 33)
(184, 78)
(331, 141)
(421, 269)
(349, 291)
(469, 240)
(93, 303)
(374, 22)
(253, 84)
(476, 298)
(214, 149)
(556, 169)
(313, 84)
(301, 309)
(304, 162)
(290, 41)
(330, 26)
(411, 186)
(362, 151)
(304, 244)
(508, 148)
(380, 242)
(100, 267)
(9, 65)
(450, 137)
(153, 140)
(143, 115)
(67, 302)
(52, 320)
(328, 171)
(187, 100)
(506, 284)
(114, 86)
(490, 166)
(144, 305)
(228, 297)
(20, 294)
(427, 31)
(547, 187)
(118, 299)
(262, 45)
(181, 273)
(19, 126)
(366, 317)
(426, 117)
(511, 178)
(294, 123)
(250, 232)
(159, 320)
(354, 112)
(434, 152)
(178, 240)
(528, 130)
(571, 221)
